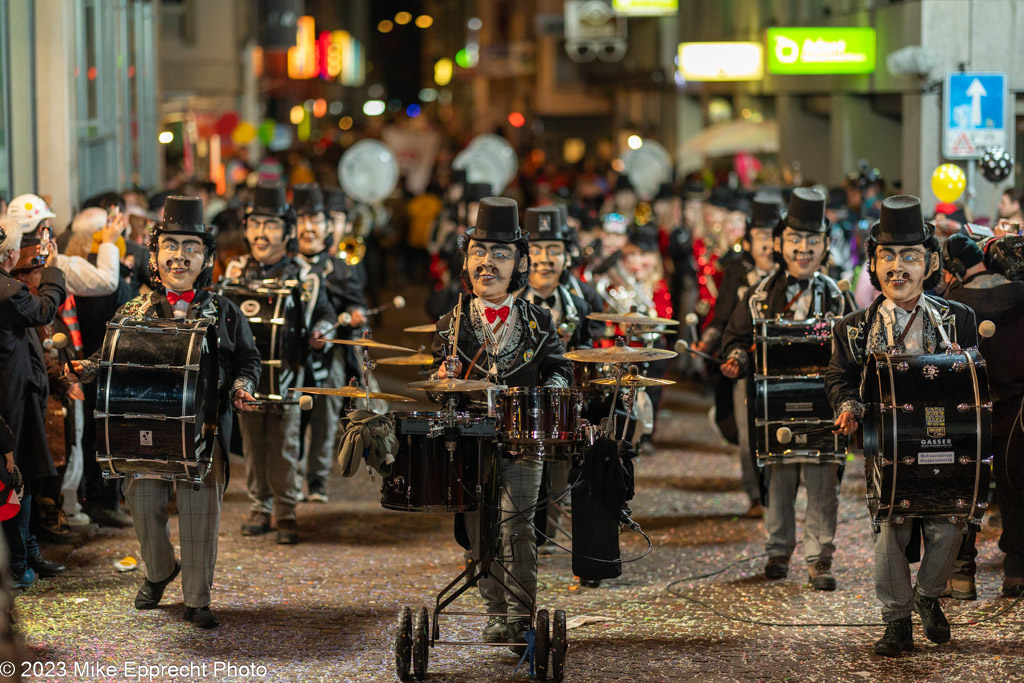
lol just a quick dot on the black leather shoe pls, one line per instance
(936, 626)
(111, 518)
(287, 532)
(45, 568)
(150, 593)
(202, 617)
(777, 567)
(256, 524)
(898, 638)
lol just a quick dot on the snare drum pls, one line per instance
(584, 375)
(541, 421)
(156, 398)
(275, 315)
(426, 476)
(789, 391)
(927, 436)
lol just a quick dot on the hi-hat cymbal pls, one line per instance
(352, 392)
(631, 319)
(370, 344)
(414, 359)
(451, 385)
(634, 381)
(620, 354)
(432, 327)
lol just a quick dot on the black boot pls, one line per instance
(936, 626)
(899, 637)
(203, 617)
(150, 592)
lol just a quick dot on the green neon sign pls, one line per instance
(821, 50)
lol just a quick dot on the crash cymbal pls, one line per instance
(631, 319)
(634, 381)
(432, 327)
(451, 385)
(352, 392)
(414, 359)
(620, 354)
(370, 344)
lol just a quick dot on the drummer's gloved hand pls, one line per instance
(847, 423)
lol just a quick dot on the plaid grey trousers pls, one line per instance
(270, 445)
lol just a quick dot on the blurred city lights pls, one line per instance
(308, 104)
(296, 114)
(424, 21)
(443, 71)
(618, 166)
(403, 18)
(385, 26)
(427, 95)
(516, 119)
(413, 110)
(635, 142)
(336, 108)
(166, 137)
(374, 107)
(320, 108)
(375, 91)
(474, 24)
(345, 123)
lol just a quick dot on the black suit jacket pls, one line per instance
(575, 311)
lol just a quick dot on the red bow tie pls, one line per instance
(492, 313)
(173, 298)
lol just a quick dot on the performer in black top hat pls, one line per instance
(182, 254)
(797, 291)
(903, 262)
(270, 438)
(328, 367)
(510, 342)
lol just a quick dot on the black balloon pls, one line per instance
(996, 164)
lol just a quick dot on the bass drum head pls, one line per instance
(368, 171)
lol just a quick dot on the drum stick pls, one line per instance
(345, 319)
(844, 285)
(683, 346)
(785, 434)
(691, 322)
(305, 403)
(986, 329)
(61, 341)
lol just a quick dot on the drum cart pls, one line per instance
(420, 630)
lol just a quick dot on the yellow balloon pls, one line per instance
(948, 182)
(244, 133)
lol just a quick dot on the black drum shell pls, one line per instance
(792, 348)
(425, 477)
(936, 434)
(799, 404)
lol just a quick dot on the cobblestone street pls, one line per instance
(697, 608)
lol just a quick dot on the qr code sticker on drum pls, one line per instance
(935, 421)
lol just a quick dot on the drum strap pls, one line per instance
(910, 323)
(789, 304)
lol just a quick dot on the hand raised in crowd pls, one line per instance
(730, 368)
(51, 257)
(110, 232)
(239, 401)
(847, 423)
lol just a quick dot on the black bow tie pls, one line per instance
(547, 302)
(804, 284)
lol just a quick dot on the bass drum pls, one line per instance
(927, 436)
(156, 398)
(275, 315)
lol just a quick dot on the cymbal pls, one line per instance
(620, 354)
(634, 381)
(414, 359)
(631, 319)
(432, 327)
(451, 385)
(352, 392)
(370, 344)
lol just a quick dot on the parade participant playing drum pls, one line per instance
(903, 261)
(344, 285)
(270, 438)
(797, 291)
(182, 257)
(510, 342)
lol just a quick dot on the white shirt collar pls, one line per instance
(506, 302)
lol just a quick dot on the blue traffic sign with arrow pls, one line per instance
(974, 114)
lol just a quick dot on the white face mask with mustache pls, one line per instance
(902, 271)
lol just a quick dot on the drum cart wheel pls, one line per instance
(420, 643)
(559, 644)
(541, 645)
(403, 644)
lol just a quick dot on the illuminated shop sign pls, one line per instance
(733, 61)
(645, 8)
(333, 55)
(821, 50)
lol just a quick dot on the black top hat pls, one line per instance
(901, 222)
(183, 215)
(269, 199)
(307, 199)
(335, 199)
(622, 183)
(474, 192)
(694, 189)
(563, 215)
(664, 192)
(457, 176)
(806, 211)
(497, 221)
(765, 212)
(645, 237)
(721, 197)
(545, 223)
